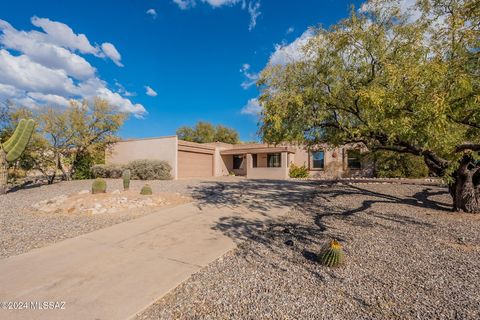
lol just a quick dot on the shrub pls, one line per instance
(83, 167)
(390, 164)
(149, 170)
(298, 172)
(146, 190)
(99, 186)
(113, 171)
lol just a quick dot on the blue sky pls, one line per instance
(199, 57)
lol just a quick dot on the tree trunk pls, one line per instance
(3, 171)
(466, 188)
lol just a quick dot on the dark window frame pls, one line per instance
(254, 160)
(311, 161)
(276, 154)
(354, 163)
(237, 161)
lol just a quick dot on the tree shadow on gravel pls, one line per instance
(256, 195)
(298, 240)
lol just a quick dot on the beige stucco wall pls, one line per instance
(223, 165)
(164, 148)
(267, 173)
(335, 162)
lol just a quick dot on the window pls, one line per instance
(354, 159)
(237, 161)
(254, 160)
(274, 160)
(317, 159)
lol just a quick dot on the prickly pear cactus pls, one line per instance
(146, 190)
(13, 148)
(332, 254)
(126, 179)
(99, 186)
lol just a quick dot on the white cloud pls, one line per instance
(62, 35)
(406, 7)
(39, 68)
(219, 3)
(111, 52)
(25, 74)
(185, 4)
(287, 53)
(123, 105)
(49, 98)
(124, 92)
(252, 107)
(253, 7)
(290, 30)
(45, 53)
(150, 92)
(152, 12)
(250, 78)
(254, 11)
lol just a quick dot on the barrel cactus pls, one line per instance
(146, 190)
(99, 186)
(332, 254)
(126, 179)
(13, 148)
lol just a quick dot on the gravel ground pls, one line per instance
(407, 257)
(22, 230)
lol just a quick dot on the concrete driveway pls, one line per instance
(116, 272)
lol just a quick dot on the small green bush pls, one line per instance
(298, 172)
(99, 186)
(112, 171)
(149, 170)
(146, 190)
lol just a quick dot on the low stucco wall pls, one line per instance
(268, 173)
(164, 148)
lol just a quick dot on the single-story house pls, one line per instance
(253, 160)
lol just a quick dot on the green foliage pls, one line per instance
(390, 164)
(126, 179)
(146, 190)
(298, 171)
(332, 255)
(386, 80)
(99, 186)
(112, 171)
(83, 167)
(149, 170)
(205, 132)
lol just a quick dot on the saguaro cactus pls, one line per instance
(13, 148)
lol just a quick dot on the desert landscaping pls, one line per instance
(408, 256)
(41, 215)
(240, 159)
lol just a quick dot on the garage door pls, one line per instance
(192, 164)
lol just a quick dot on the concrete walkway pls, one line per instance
(116, 272)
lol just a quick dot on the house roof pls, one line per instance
(258, 149)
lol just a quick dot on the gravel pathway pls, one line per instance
(22, 230)
(408, 257)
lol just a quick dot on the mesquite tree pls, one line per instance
(407, 82)
(13, 148)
